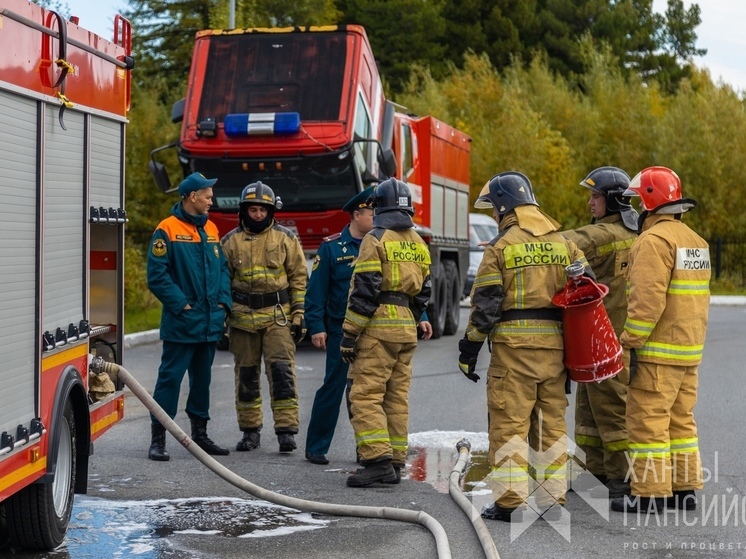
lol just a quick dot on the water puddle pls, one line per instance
(102, 528)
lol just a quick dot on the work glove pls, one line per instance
(467, 359)
(298, 327)
(347, 348)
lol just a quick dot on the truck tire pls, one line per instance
(39, 514)
(437, 309)
(453, 308)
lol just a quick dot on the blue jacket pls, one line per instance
(186, 265)
(326, 294)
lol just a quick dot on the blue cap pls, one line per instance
(359, 201)
(194, 182)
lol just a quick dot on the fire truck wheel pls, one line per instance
(453, 308)
(438, 307)
(4, 538)
(38, 515)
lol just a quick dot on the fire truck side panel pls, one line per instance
(62, 256)
(18, 256)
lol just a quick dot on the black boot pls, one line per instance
(199, 436)
(638, 504)
(398, 467)
(496, 512)
(685, 499)
(287, 442)
(158, 443)
(250, 439)
(373, 472)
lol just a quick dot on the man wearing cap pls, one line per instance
(326, 302)
(188, 273)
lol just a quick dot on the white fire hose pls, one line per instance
(417, 517)
(488, 544)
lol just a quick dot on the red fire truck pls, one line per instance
(64, 97)
(303, 110)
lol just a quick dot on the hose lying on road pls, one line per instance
(417, 517)
(488, 545)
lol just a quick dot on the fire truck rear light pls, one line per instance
(261, 124)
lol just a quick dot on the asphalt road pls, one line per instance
(140, 508)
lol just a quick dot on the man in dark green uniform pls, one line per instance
(188, 273)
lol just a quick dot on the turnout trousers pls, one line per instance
(176, 360)
(526, 401)
(379, 398)
(601, 425)
(276, 344)
(325, 411)
(663, 443)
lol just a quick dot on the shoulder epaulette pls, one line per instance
(334, 237)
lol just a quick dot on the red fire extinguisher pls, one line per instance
(592, 350)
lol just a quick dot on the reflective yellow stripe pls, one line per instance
(638, 327)
(587, 440)
(488, 279)
(689, 287)
(644, 451)
(474, 335)
(247, 274)
(616, 246)
(615, 446)
(671, 351)
(370, 437)
(367, 266)
(290, 403)
(680, 446)
(524, 328)
(357, 319)
(399, 443)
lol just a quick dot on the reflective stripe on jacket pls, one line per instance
(523, 268)
(389, 260)
(669, 293)
(266, 262)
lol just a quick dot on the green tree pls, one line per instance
(401, 33)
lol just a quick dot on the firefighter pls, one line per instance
(268, 285)
(669, 296)
(522, 268)
(326, 301)
(389, 291)
(600, 407)
(188, 274)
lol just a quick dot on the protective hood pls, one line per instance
(393, 219)
(532, 219)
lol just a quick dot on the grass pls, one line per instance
(140, 320)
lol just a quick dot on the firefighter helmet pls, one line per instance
(612, 183)
(392, 194)
(505, 192)
(259, 194)
(659, 189)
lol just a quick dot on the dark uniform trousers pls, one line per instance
(325, 411)
(176, 360)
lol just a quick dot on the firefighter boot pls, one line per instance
(638, 504)
(199, 436)
(287, 442)
(373, 472)
(398, 467)
(496, 512)
(157, 450)
(250, 439)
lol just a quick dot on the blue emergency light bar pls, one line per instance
(261, 124)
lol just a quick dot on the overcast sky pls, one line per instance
(722, 32)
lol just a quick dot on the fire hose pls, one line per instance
(485, 539)
(115, 371)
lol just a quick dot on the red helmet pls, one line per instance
(658, 187)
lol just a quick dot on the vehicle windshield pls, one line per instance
(314, 183)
